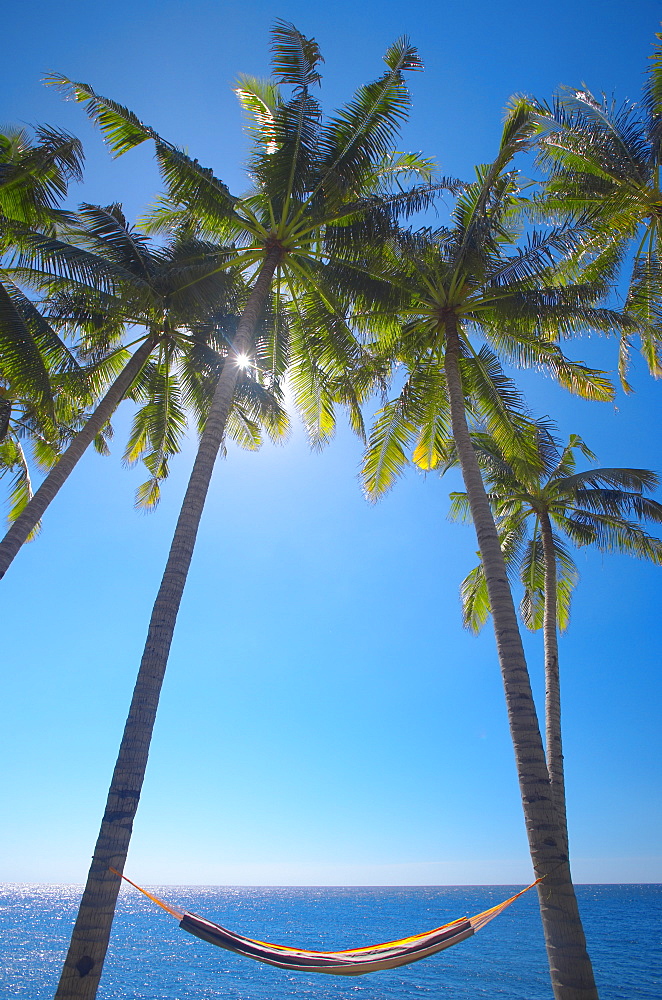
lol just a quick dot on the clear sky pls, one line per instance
(324, 719)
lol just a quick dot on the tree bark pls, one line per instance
(570, 967)
(89, 942)
(30, 516)
(553, 739)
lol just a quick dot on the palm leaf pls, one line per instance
(361, 134)
(294, 58)
(14, 463)
(386, 456)
(475, 599)
(122, 129)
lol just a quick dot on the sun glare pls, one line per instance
(243, 361)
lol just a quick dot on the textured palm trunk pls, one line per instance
(553, 740)
(570, 967)
(31, 515)
(89, 942)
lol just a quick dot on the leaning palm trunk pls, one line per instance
(553, 740)
(570, 967)
(89, 942)
(29, 518)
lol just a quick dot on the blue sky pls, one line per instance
(325, 719)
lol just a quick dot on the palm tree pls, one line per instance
(472, 277)
(530, 500)
(312, 179)
(603, 162)
(160, 289)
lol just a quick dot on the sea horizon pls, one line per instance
(327, 885)
(151, 958)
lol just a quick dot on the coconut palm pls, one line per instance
(472, 278)
(311, 180)
(536, 506)
(603, 162)
(159, 289)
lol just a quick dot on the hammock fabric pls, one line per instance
(354, 961)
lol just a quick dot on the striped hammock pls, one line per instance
(353, 961)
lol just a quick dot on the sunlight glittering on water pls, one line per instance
(150, 958)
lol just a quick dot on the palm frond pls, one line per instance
(652, 100)
(475, 599)
(359, 136)
(610, 532)
(14, 463)
(121, 128)
(294, 58)
(389, 444)
(158, 428)
(35, 174)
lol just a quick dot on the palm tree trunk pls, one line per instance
(570, 967)
(32, 513)
(553, 741)
(89, 942)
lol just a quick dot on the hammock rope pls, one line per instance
(351, 962)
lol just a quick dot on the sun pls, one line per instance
(243, 361)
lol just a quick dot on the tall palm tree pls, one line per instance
(535, 505)
(311, 179)
(159, 289)
(603, 161)
(472, 278)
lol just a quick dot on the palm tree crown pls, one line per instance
(600, 507)
(179, 293)
(477, 278)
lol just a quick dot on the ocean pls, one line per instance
(150, 958)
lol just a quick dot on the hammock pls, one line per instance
(353, 961)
